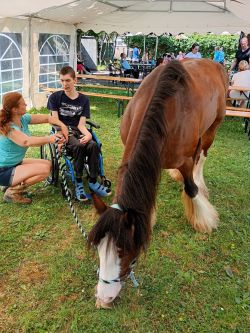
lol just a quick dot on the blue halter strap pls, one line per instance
(117, 206)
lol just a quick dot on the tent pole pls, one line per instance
(156, 47)
(30, 65)
(144, 45)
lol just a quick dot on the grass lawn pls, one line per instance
(189, 282)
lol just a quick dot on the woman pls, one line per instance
(241, 79)
(127, 68)
(194, 53)
(16, 173)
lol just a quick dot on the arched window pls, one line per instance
(11, 68)
(54, 54)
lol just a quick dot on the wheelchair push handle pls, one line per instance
(92, 124)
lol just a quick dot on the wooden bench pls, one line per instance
(232, 111)
(237, 112)
(96, 86)
(119, 98)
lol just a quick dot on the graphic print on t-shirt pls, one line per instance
(69, 110)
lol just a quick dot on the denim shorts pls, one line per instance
(7, 174)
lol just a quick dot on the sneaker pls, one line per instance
(80, 193)
(99, 189)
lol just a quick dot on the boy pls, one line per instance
(72, 108)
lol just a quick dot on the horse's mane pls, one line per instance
(142, 172)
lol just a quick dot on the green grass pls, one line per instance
(189, 282)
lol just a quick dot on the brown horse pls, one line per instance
(170, 123)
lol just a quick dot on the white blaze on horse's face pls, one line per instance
(109, 270)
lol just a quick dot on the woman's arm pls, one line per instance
(51, 119)
(39, 118)
(24, 140)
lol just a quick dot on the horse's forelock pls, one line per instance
(120, 228)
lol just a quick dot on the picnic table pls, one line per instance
(244, 90)
(145, 68)
(123, 82)
(239, 111)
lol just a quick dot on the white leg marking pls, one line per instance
(200, 212)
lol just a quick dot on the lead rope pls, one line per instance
(65, 187)
(72, 209)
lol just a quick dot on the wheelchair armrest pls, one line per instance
(92, 124)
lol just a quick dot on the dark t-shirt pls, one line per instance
(69, 110)
(242, 55)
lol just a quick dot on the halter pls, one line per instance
(130, 275)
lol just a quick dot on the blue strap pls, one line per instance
(116, 206)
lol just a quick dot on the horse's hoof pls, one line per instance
(101, 305)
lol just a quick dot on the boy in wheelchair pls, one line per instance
(72, 108)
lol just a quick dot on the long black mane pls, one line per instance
(142, 172)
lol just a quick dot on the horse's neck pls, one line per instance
(121, 172)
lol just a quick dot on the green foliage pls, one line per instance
(171, 44)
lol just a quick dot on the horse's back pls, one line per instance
(192, 110)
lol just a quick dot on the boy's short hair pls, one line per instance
(68, 70)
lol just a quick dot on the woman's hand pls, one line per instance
(57, 137)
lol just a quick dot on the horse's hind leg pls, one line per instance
(198, 175)
(199, 211)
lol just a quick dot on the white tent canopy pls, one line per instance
(156, 16)
(39, 37)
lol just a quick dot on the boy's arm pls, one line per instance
(82, 128)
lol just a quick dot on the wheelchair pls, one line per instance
(48, 152)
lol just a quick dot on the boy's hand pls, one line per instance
(85, 138)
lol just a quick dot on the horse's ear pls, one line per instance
(100, 206)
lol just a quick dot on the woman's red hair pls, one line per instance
(10, 101)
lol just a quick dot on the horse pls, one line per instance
(170, 123)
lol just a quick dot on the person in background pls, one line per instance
(216, 54)
(248, 39)
(242, 79)
(159, 61)
(17, 172)
(135, 54)
(219, 55)
(194, 53)
(222, 56)
(81, 68)
(72, 108)
(243, 53)
(151, 60)
(127, 68)
(167, 58)
(145, 57)
(180, 56)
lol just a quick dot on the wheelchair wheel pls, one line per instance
(47, 152)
